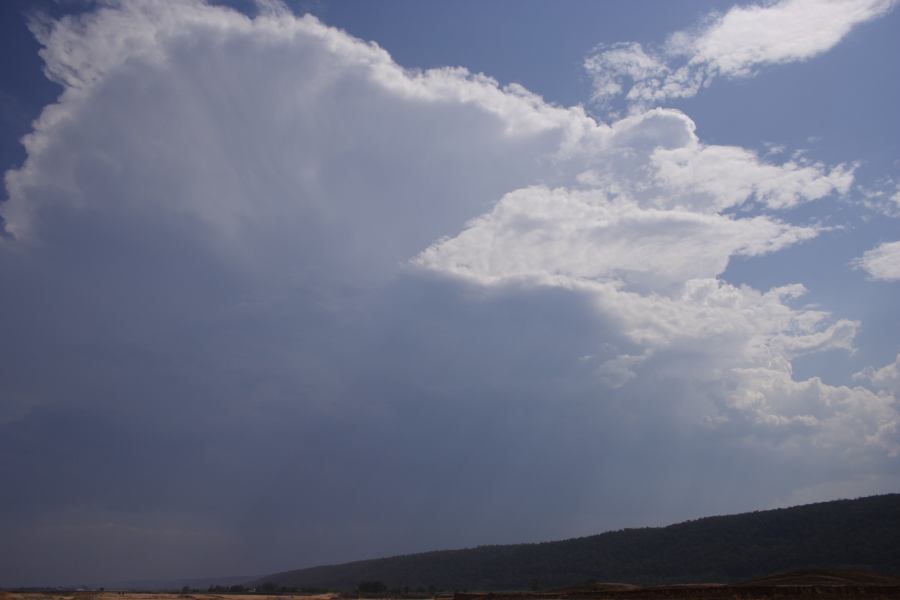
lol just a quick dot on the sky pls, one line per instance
(288, 284)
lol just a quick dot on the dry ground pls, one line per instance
(114, 595)
(617, 592)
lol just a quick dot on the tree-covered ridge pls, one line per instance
(857, 534)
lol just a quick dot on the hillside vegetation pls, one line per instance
(850, 534)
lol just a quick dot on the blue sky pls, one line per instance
(285, 290)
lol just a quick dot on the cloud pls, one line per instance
(732, 45)
(656, 158)
(837, 416)
(882, 196)
(731, 175)
(612, 65)
(257, 267)
(881, 262)
(885, 380)
(537, 232)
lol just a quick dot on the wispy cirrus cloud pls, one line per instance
(732, 45)
(882, 197)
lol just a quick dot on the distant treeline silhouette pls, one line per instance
(855, 534)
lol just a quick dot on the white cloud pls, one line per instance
(92, 53)
(657, 159)
(835, 416)
(539, 232)
(611, 64)
(731, 45)
(882, 196)
(885, 380)
(786, 31)
(881, 262)
(730, 175)
(738, 325)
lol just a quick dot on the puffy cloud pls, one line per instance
(836, 416)
(657, 159)
(538, 232)
(885, 380)
(730, 175)
(95, 54)
(881, 262)
(731, 45)
(257, 266)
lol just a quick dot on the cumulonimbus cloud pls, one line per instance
(239, 243)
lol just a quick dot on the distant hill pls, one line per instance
(862, 534)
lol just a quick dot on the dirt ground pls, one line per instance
(114, 595)
(717, 592)
(686, 592)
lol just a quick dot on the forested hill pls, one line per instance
(861, 534)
